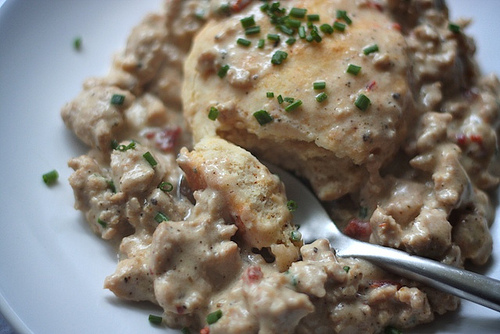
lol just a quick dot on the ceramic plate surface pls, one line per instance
(52, 266)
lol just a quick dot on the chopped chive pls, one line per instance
(149, 158)
(392, 330)
(243, 42)
(252, 30)
(154, 319)
(293, 278)
(161, 217)
(262, 117)
(275, 7)
(166, 186)
(319, 85)
(247, 22)
(298, 12)
(315, 35)
(213, 113)
(223, 71)
(342, 14)
(224, 9)
(289, 99)
(117, 99)
(302, 32)
(454, 28)
(338, 26)
(213, 317)
(309, 38)
(50, 177)
(270, 94)
(102, 223)
(185, 330)
(114, 144)
(362, 102)
(295, 236)
(77, 43)
(200, 14)
(326, 28)
(278, 57)
(123, 147)
(291, 205)
(280, 99)
(290, 41)
(111, 185)
(261, 43)
(294, 105)
(346, 269)
(363, 212)
(273, 37)
(292, 23)
(370, 49)
(286, 30)
(313, 17)
(321, 97)
(353, 69)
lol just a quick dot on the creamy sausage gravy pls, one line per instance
(174, 171)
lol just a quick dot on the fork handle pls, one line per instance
(468, 285)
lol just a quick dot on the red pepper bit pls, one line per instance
(205, 330)
(164, 139)
(476, 139)
(239, 5)
(375, 5)
(371, 85)
(358, 229)
(180, 309)
(396, 26)
(381, 283)
(253, 274)
(461, 139)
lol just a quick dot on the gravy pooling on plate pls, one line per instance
(378, 104)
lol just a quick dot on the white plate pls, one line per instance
(51, 265)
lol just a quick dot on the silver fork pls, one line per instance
(315, 224)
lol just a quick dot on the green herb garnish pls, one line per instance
(247, 22)
(262, 117)
(166, 186)
(278, 57)
(326, 28)
(295, 236)
(362, 102)
(353, 69)
(213, 113)
(319, 85)
(293, 105)
(50, 177)
(149, 158)
(117, 99)
(370, 49)
(154, 319)
(321, 97)
(243, 42)
(454, 28)
(161, 217)
(102, 223)
(298, 12)
(291, 205)
(213, 317)
(223, 71)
